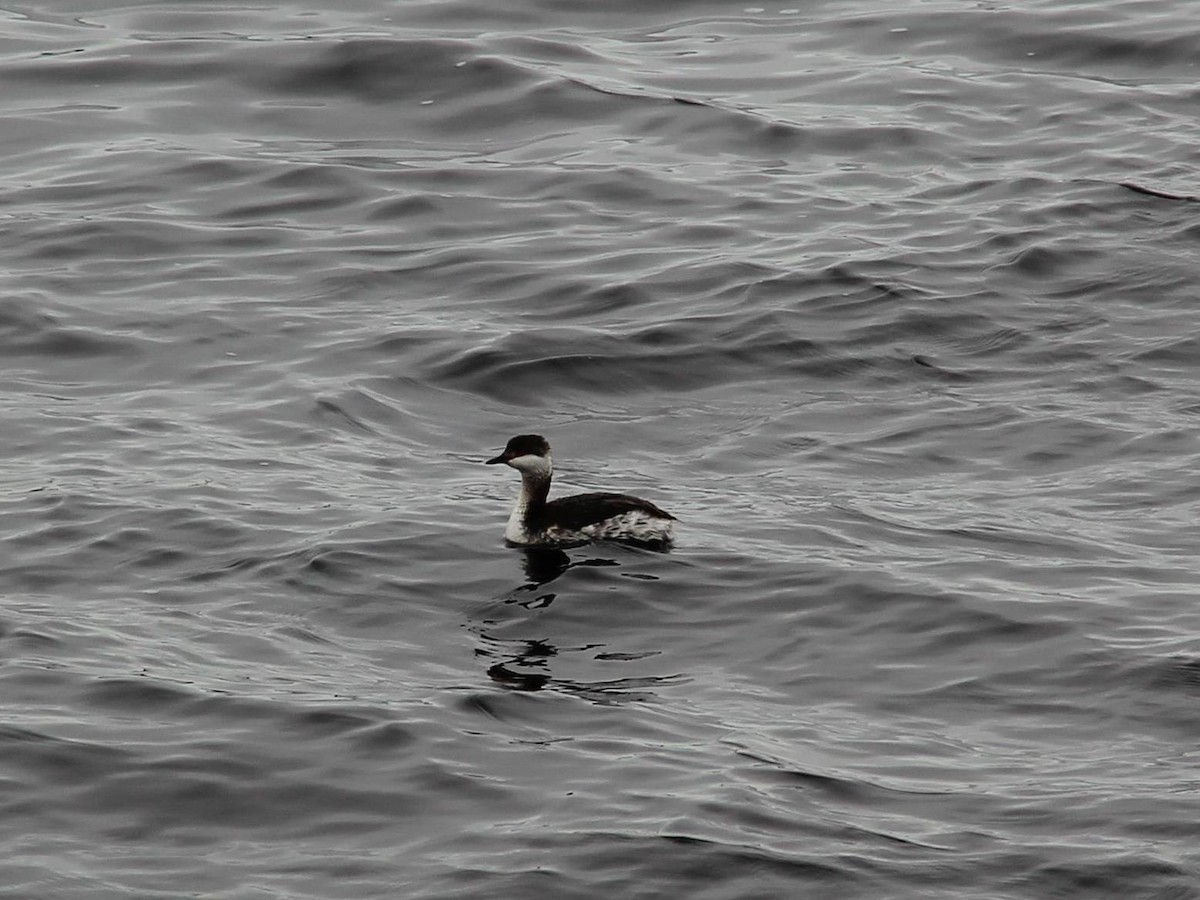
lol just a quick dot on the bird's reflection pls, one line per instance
(524, 664)
(528, 670)
(542, 565)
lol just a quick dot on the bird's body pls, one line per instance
(537, 520)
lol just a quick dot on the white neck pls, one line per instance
(536, 472)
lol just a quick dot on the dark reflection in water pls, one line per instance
(524, 663)
(544, 564)
(527, 670)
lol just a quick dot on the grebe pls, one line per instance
(582, 517)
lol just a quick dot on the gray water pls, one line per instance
(893, 305)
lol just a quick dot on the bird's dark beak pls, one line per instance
(499, 459)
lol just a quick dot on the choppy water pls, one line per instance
(853, 288)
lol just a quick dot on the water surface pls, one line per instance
(868, 297)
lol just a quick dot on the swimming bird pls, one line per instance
(581, 517)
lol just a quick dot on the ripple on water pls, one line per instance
(908, 356)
